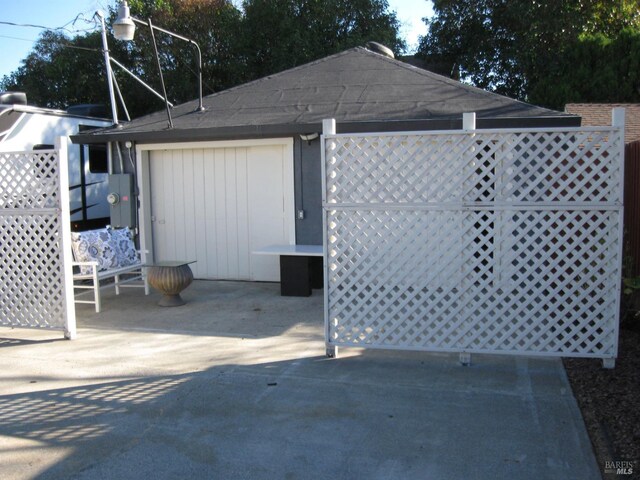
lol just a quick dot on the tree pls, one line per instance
(512, 46)
(59, 71)
(213, 24)
(75, 72)
(595, 69)
(267, 36)
(300, 31)
(62, 71)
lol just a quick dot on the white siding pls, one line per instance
(217, 205)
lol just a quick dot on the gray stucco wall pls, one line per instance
(308, 191)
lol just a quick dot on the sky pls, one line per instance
(16, 42)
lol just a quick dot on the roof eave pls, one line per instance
(285, 130)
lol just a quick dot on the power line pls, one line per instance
(42, 27)
(18, 38)
(68, 45)
(62, 44)
(80, 16)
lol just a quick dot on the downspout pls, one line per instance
(109, 159)
(120, 161)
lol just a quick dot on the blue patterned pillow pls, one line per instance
(125, 250)
(93, 246)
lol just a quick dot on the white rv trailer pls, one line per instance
(27, 128)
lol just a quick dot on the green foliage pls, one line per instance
(213, 24)
(595, 68)
(611, 16)
(71, 74)
(498, 45)
(523, 48)
(630, 301)
(279, 34)
(265, 37)
(631, 285)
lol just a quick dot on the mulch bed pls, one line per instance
(610, 402)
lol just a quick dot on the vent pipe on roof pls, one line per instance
(13, 98)
(379, 48)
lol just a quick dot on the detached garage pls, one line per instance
(246, 172)
(497, 232)
(219, 201)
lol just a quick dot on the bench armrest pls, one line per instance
(84, 264)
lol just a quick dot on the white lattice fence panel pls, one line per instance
(487, 242)
(442, 169)
(32, 278)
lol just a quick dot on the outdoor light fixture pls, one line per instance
(124, 29)
(111, 78)
(309, 137)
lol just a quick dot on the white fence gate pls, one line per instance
(36, 289)
(492, 241)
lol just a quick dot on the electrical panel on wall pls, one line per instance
(122, 200)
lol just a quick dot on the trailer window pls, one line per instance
(98, 159)
(98, 162)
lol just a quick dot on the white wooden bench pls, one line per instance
(91, 281)
(88, 276)
(300, 267)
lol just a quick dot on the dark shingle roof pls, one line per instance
(353, 86)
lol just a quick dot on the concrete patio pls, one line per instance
(235, 384)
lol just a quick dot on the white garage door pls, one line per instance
(217, 205)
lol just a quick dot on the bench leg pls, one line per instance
(96, 289)
(147, 289)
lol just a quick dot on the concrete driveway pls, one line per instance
(235, 385)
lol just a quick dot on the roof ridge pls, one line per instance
(257, 81)
(282, 72)
(454, 83)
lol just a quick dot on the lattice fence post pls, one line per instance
(469, 125)
(469, 121)
(65, 239)
(328, 128)
(617, 121)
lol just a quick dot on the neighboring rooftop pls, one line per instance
(599, 114)
(355, 86)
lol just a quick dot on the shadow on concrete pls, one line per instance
(15, 342)
(373, 415)
(214, 308)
